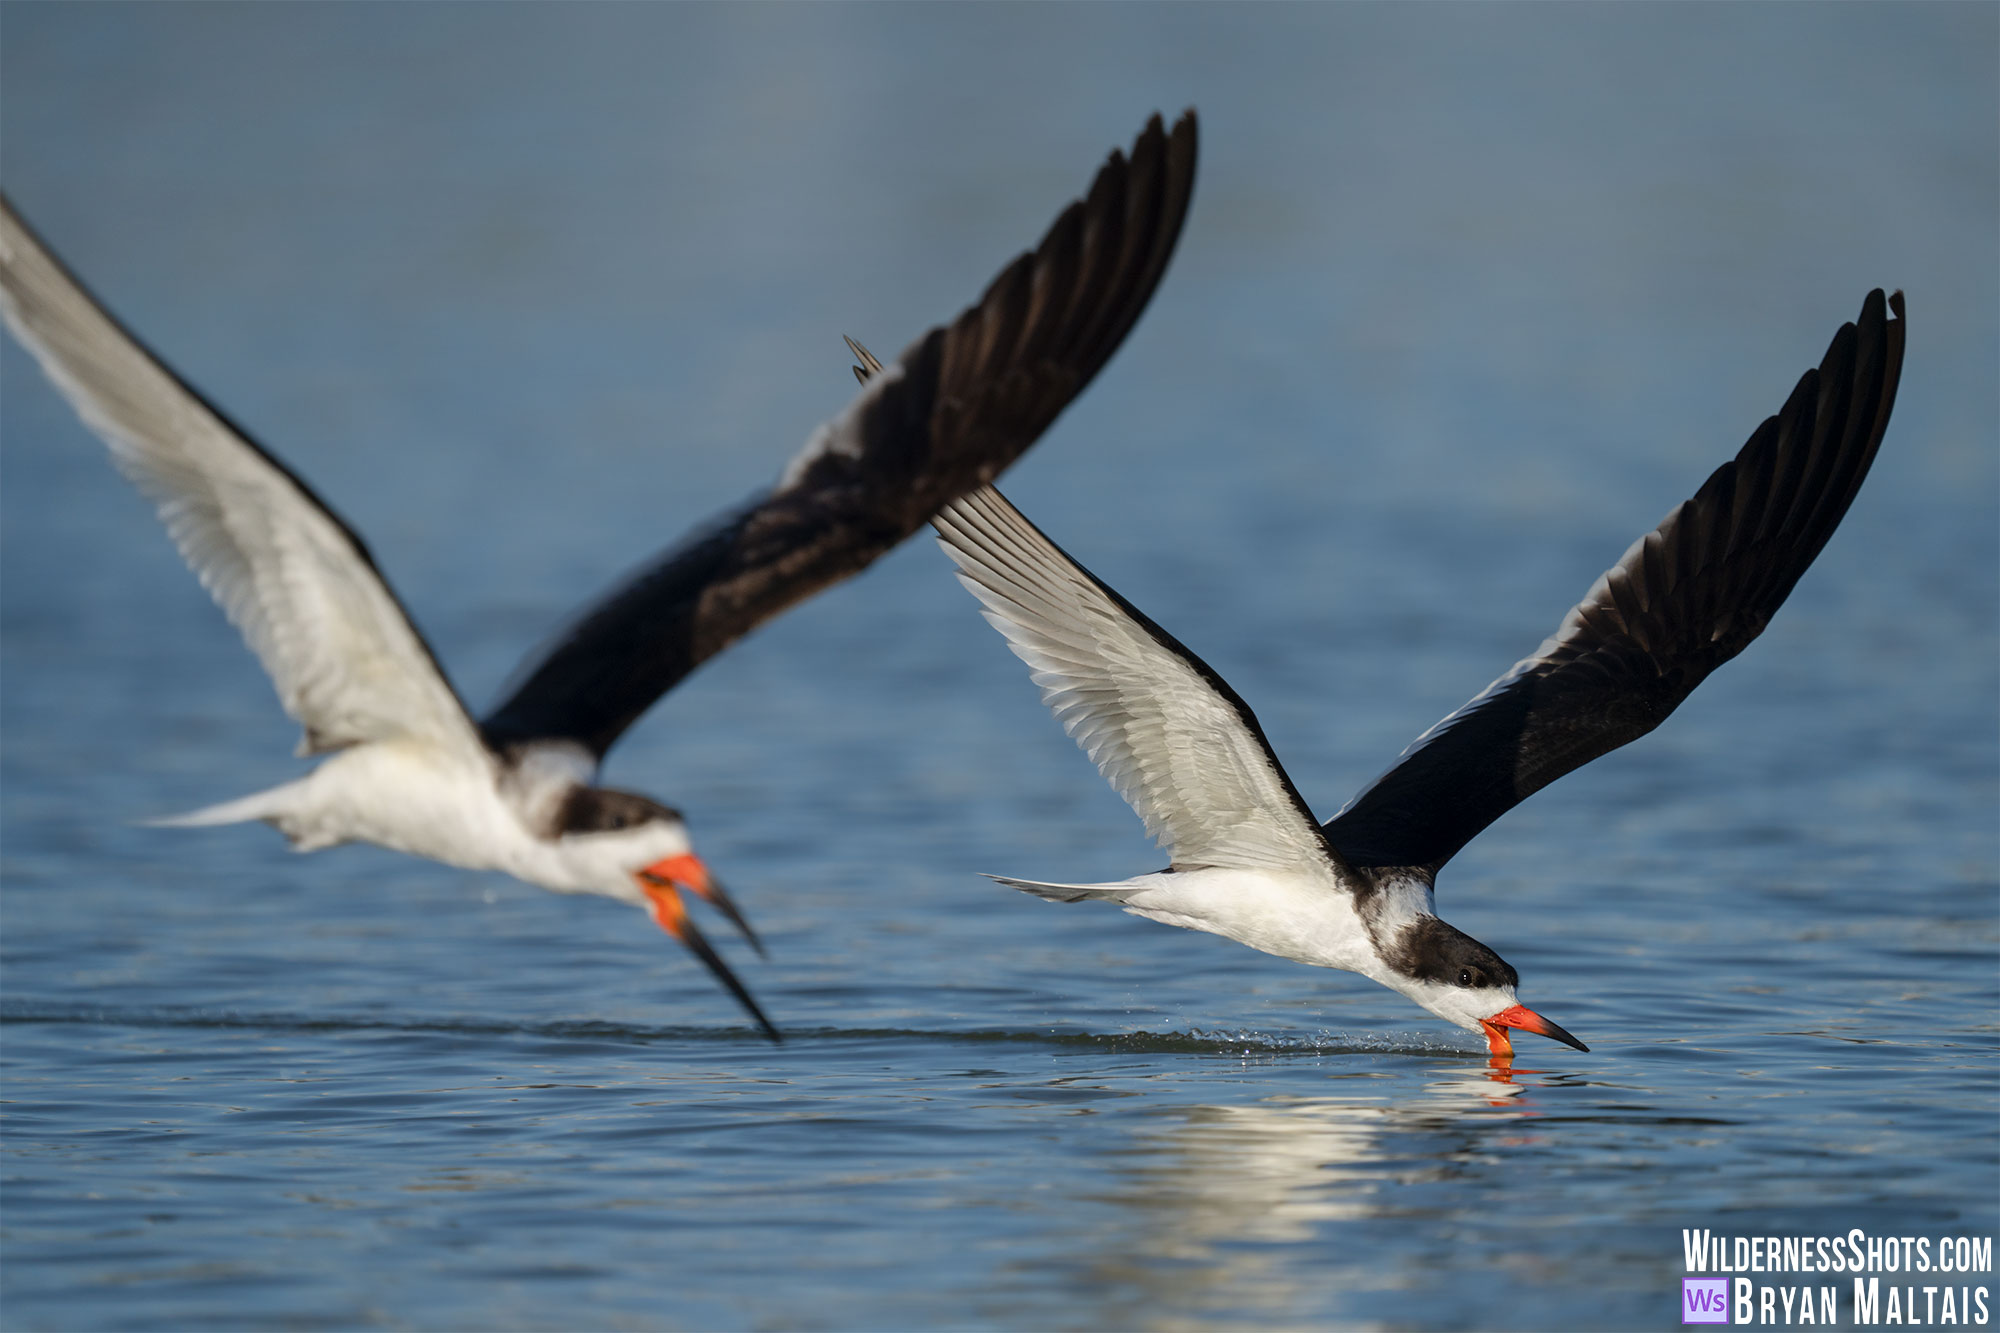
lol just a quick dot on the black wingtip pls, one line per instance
(945, 423)
(870, 366)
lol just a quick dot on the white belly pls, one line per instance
(458, 808)
(411, 798)
(1304, 917)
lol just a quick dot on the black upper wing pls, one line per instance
(1686, 598)
(959, 405)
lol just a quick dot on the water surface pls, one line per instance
(1468, 299)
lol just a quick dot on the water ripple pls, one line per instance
(1192, 1042)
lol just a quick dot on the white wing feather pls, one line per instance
(1186, 760)
(346, 661)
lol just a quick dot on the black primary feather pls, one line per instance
(961, 403)
(1685, 598)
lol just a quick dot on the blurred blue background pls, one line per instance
(1468, 298)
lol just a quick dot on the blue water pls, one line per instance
(1468, 299)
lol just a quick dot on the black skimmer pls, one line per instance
(412, 769)
(1248, 859)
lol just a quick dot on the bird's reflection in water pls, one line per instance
(1235, 1211)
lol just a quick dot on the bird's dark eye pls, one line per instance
(1465, 976)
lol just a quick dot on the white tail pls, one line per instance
(1071, 893)
(268, 804)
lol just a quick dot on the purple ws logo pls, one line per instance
(1704, 1300)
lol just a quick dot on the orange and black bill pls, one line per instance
(671, 913)
(1526, 1019)
(691, 873)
